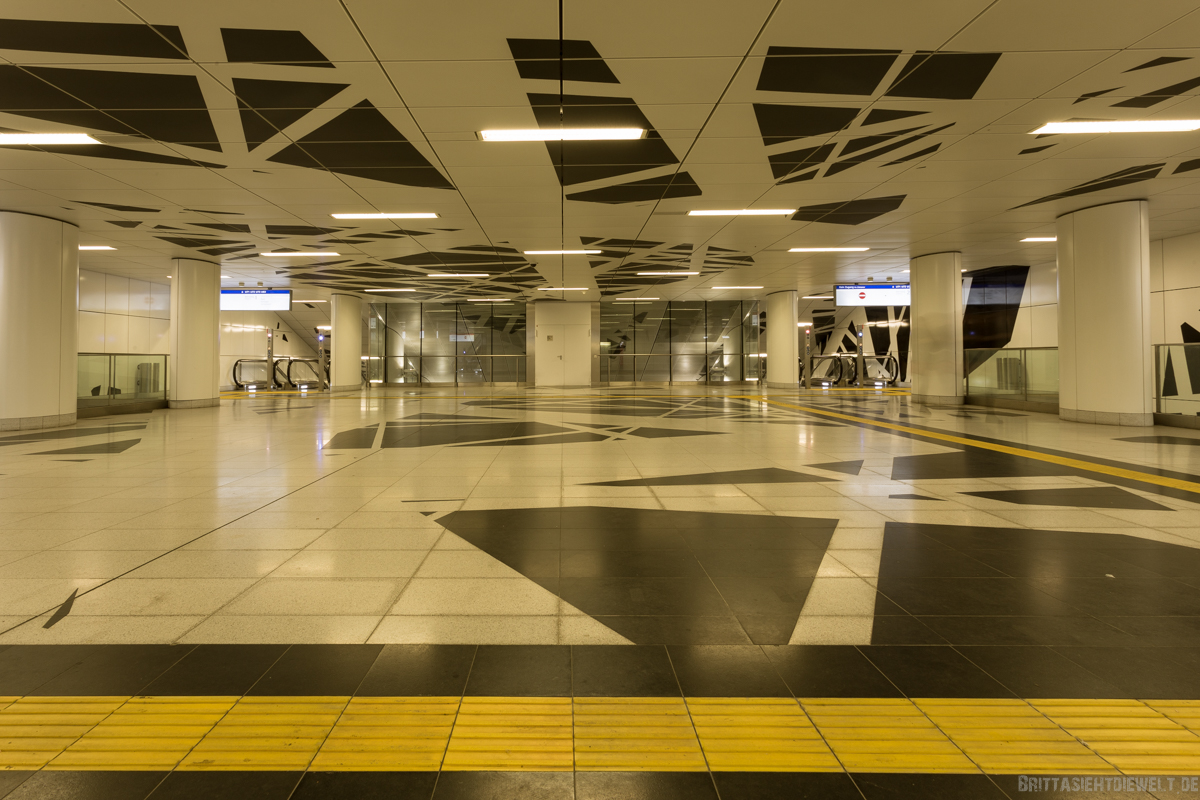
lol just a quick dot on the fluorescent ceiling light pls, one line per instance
(389, 290)
(565, 289)
(561, 134)
(46, 138)
(310, 301)
(304, 255)
(562, 252)
(324, 327)
(488, 300)
(742, 212)
(815, 297)
(1040, 239)
(735, 287)
(1121, 126)
(458, 275)
(803, 324)
(668, 273)
(406, 215)
(635, 299)
(828, 249)
(95, 247)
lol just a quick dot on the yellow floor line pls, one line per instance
(1118, 472)
(626, 734)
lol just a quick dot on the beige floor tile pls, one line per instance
(313, 563)
(316, 597)
(240, 629)
(160, 596)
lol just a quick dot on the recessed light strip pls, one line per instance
(635, 299)
(829, 249)
(735, 287)
(95, 247)
(562, 252)
(302, 255)
(1121, 126)
(742, 212)
(389, 290)
(565, 289)
(404, 215)
(668, 273)
(1040, 239)
(561, 134)
(46, 138)
(488, 300)
(459, 275)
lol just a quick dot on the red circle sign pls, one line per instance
(862, 295)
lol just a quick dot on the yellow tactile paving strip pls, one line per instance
(1095, 737)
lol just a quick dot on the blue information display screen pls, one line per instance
(873, 294)
(256, 299)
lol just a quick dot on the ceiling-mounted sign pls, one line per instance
(256, 299)
(873, 294)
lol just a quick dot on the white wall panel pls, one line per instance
(116, 295)
(116, 333)
(91, 332)
(91, 291)
(1043, 325)
(159, 332)
(139, 335)
(139, 298)
(1181, 262)
(1043, 284)
(160, 301)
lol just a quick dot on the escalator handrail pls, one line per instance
(236, 370)
(316, 369)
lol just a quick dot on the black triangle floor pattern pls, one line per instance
(92, 449)
(662, 577)
(1082, 497)
(764, 475)
(846, 467)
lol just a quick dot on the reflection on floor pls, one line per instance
(705, 550)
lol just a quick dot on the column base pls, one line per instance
(782, 385)
(349, 387)
(936, 400)
(37, 423)
(203, 403)
(1135, 420)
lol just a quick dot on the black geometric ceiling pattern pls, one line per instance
(616, 268)
(858, 73)
(171, 107)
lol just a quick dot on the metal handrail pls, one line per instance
(317, 370)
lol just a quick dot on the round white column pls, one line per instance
(39, 313)
(1105, 363)
(195, 333)
(935, 345)
(345, 354)
(783, 340)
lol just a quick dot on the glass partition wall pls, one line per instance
(446, 343)
(660, 342)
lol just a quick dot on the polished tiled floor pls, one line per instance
(620, 543)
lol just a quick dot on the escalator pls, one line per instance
(289, 373)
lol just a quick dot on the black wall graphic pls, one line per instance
(679, 184)
(616, 268)
(990, 313)
(816, 70)
(943, 76)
